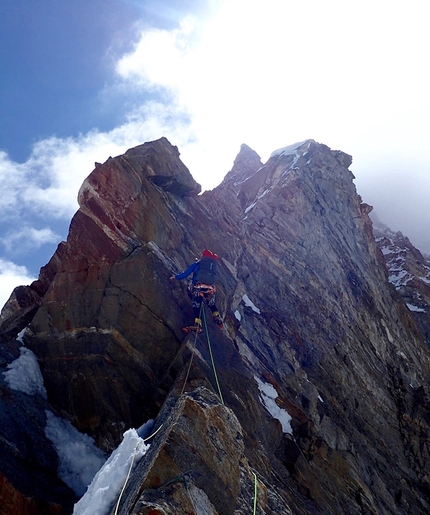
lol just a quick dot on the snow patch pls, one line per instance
(268, 397)
(390, 249)
(248, 302)
(238, 315)
(289, 150)
(109, 480)
(250, 207)
(416, 309)
(79, 457)
(399, 278)
(24, 374)
(265, 192)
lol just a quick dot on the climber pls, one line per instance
(202, 287)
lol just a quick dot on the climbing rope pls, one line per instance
(126, 480)
(255, 493)
(202, 314)
(192, 353)
(212, 358)
(153, 434)
(131, 466)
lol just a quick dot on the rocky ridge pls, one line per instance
(314, 335)
(409, 273)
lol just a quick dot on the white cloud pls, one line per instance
(349, 75)
(288, 71)
(27, 238)
(346, 74)
(13, 181)
(11, 275)
(49, 181)
(157, 59)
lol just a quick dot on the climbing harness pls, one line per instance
(200, 292)
(204, 290)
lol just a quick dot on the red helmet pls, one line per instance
(208, 253)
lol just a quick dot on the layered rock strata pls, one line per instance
(323, 370)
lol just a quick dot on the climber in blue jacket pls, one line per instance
(192, 269)
(202, 287)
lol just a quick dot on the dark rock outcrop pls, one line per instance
(314, 334)
(29, 482)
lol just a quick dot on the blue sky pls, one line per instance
(82, 80)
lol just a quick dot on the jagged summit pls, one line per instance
(247, 162)
(316, 393)
(252, 181)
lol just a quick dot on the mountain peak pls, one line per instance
(246, 163)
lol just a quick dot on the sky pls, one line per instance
(82, 80)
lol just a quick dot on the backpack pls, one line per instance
(207, 268)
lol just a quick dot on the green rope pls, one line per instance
(212, 358)
(153, 434)
(255, 493)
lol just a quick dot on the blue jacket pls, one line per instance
(192, 269)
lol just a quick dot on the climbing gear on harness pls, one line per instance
(204, 290)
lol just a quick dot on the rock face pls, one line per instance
(319, 400)
(409, 273)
